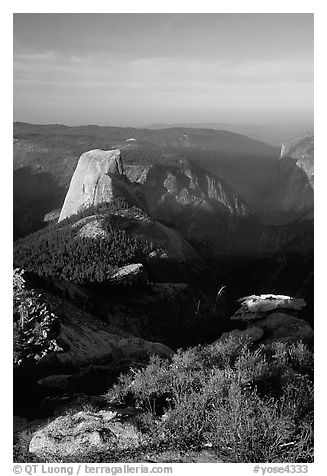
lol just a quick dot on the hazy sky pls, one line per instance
(136, 69)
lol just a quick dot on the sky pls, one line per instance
(139, 69)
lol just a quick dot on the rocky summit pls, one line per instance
(99, 177)
(183, 196)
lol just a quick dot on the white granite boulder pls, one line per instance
(257, 306)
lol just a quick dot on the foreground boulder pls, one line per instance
(84, 432)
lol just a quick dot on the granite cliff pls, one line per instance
(183, 196)
(290, 192)
(99, 177)
(201, 206)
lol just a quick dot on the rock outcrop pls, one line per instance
(269, 317)
(256, 307)
(90, 227)
(132, 275)
(99, 177)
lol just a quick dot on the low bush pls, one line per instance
(247, 404)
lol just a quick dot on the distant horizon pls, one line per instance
(141, 69)
(170, 124)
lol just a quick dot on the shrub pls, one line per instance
(222, 396)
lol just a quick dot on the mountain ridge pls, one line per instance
(50, 153)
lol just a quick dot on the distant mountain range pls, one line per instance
(45, 157)
(272, 134)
